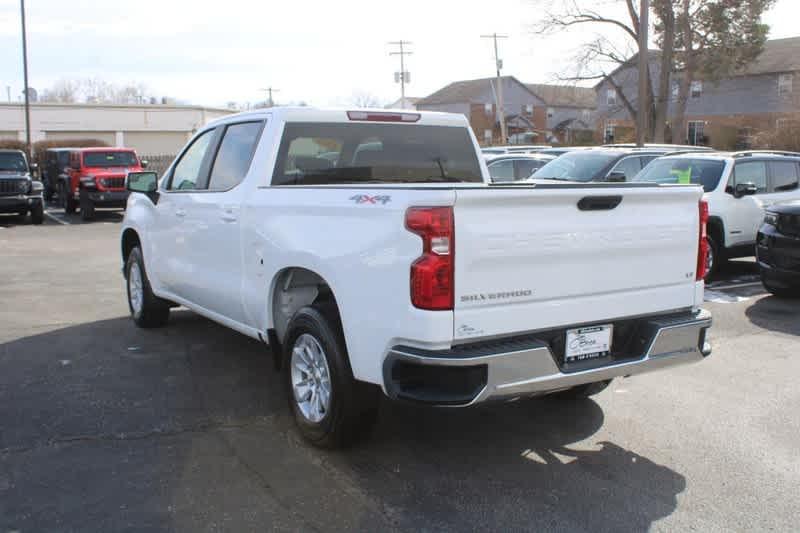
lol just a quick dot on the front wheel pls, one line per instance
(87, 207)
(780, 292)
(37, 214)
(147, 309)
(331, 408)
(67, 201)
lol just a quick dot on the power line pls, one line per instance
(501, 114)
(403, 76)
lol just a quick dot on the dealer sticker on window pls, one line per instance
(587, 343)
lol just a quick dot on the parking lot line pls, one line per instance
(57, 219)
(735, 286)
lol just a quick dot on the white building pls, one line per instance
(150, 129)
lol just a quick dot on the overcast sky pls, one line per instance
(211, 52)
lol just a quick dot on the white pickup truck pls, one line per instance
(368, 250)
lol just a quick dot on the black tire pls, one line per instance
(21, 214)
(48, 194)
(37, 214)
(584, 391)
(780, 292)
(715, 258)
(67, 201)
(153, 311)
(353, 405)
(87, 207)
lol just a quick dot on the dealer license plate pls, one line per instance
(588, 343)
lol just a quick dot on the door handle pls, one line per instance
(229, 214)
(180, 213)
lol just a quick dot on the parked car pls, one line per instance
(19, 192)
(738, 186)
(778, 250)
(515, 167)
(561, 150)
(350, 270)
(599, 164)
(514, 149)
(96, 178)
(670, 147)
(54, 168)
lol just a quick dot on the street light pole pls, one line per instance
(501, 112)
(25, 72)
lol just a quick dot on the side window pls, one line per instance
(524, 168)
(645, 159)
(784, 176)
(234, 155)
(630, 166)
(186, 174)
(754, 172)
(502, 171)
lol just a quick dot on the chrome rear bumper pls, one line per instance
(526, 366)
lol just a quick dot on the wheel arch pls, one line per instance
(129, 240)
(716, 229)
(293, 288)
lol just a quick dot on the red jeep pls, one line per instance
(96, 178)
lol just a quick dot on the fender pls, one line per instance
(717, 222)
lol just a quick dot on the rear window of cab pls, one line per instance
(356, 153)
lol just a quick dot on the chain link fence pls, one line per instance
(158, 163)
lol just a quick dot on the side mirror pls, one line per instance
(744, 189)
(617, 176)
(144, 163)
(143, 182)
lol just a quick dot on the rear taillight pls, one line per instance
(432, 277)
(372, 116)
(702, 241)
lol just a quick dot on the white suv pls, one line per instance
(738, 186)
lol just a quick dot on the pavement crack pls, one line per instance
(202, 427)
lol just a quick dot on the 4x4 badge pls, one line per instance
(367, 199)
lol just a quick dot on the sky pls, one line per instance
(320, 52)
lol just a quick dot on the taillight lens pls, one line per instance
(702, 242)
(432, 276)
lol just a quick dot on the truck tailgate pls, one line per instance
(530, 258)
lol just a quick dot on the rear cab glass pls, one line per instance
(705, 172)
(109, 159)
(354, 153)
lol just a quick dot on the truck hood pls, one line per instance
(102, 172)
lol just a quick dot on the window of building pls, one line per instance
(586, 115)
(487, 108)
(611, 97)
(785, 82)
(608, 133)
(487, 135)
(782, 123)
(676, 90)
(550, 112)
(696, 132)
(697, 89)
(529, 109)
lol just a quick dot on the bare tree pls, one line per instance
(63, 90)
(96, 90)
(604, 55)
(364, 99)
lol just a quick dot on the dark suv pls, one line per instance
(778, 249)
(600, 164)
(19, 192)
(54, 167)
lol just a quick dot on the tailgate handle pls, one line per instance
(599, 203)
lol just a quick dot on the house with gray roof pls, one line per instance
(534, 113)
(762, 97)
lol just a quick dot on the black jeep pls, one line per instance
(56, 160)
(19, 192)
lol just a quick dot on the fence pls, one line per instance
(158, 163)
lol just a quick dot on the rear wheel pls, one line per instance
(147, 309)
(584, 391)
(331, 408)
(713, 258)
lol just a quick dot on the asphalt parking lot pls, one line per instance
(105, 427)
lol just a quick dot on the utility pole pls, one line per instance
(8, 93)
(501, 114)
(403, 77)
(269, 91)
(25, 71)
(644, 108)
